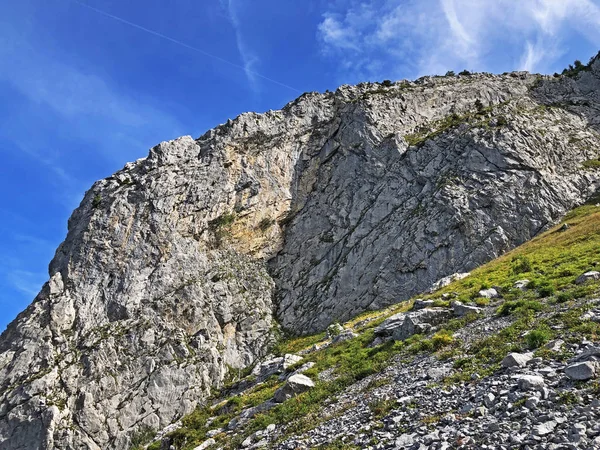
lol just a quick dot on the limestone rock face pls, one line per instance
(174, 268)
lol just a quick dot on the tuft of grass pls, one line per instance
(521, 264)
(381, 407)
(443, 338)
(591, 164)
(96, 201)
(538, 337)
(519, 306)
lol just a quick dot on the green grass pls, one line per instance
(538, 337)
(479, 117)
(591, 164)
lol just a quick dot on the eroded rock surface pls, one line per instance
(339, 203)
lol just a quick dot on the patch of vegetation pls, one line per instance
(479, 117)
(567, 398)
(450, 73)
(224, 220)
(221, 226)
(443, 338)
(576, 68)
(519, 307)
(538, 337)
(142, 437)
(521, 264)
(381, 407)
(591, 164)
(97, 201)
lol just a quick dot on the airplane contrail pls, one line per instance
(183, 44)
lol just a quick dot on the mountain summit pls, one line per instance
(184, 266)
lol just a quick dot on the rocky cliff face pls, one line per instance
(175, 267)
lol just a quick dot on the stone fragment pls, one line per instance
(289, 360)
(443, 282)
(545, 428)
(488, 293)
(205, 444)
(516, 359)
(521, 284)
(582, 371)
(422, 304)
(530, 382)
(344, 336)
(461, 309)
(489, 399)
(295, 385)
(591, 275)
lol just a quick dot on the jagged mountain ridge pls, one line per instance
(174, 268)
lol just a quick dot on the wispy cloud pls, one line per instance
(414, 38)
(70, 103)
(249, 58)
(28, 283)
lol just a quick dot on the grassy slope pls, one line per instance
(551, 306)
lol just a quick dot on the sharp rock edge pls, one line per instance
(175, 268)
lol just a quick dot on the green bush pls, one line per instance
(442, 338)
(519, 306)
(546, 290)
(563, 297)
(537, 338)
(96, 201)
(450, 73)
(521, 264)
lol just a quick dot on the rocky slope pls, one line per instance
(174, 268)
(516, 365)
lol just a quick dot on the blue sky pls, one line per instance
(86, 86)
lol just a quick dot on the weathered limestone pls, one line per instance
(339, 203)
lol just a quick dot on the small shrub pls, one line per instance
(439, 303)
(546, 290)
(223, 220)
(381, 407)
(465, 73)
(567, 398)
(450, 73)
(563, 297)
(142, 437)
(521, 264)
(482, 301)
(519, 306)
(591, 164)
(537, 338)
(442, 339)
(96, 201)
(387, 83)
(501, 121)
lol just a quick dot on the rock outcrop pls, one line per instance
(174, 268)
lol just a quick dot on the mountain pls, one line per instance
(184, 266)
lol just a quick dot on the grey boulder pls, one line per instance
(296, 384)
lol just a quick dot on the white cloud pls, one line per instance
(29, 283)
(413, 38)
(249, 58)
